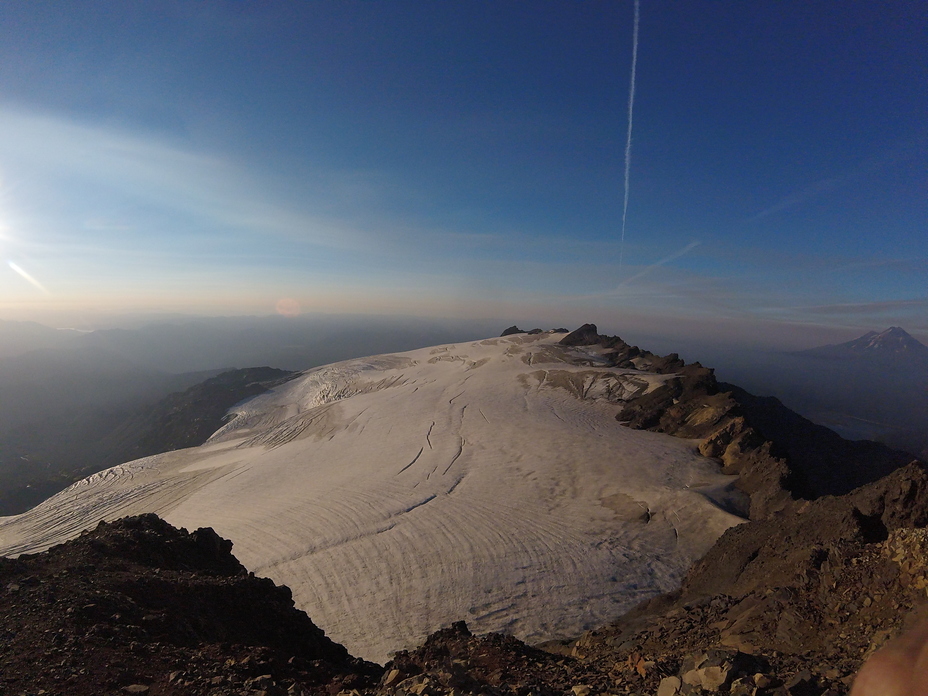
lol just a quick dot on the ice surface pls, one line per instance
(487, 481)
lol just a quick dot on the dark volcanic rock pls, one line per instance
(807, 594)
(455, 661)
(586, 335)
(778, 454)
(621, 354)
(516, 330)
(137, 601)
(775, 551)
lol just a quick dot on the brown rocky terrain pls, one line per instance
(832, 563)
(137, 606)
(788, 605)
(801, 598)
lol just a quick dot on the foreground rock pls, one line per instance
(801, 598)
(137, 606)
(789, 605)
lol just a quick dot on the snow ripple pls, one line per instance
(396, 494)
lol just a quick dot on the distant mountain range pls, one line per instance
(196, 344)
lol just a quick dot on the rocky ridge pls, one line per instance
(778, 454)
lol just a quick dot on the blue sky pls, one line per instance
(467, 159)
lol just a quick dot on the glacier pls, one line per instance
(487, 481)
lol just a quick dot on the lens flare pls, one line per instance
(288, 307)
(28, 277)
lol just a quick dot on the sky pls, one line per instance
(468, 159)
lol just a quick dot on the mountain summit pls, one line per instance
(488, 480)
(893, 340)
(894, 346)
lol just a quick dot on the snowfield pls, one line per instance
(487, 481)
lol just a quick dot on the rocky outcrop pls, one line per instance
(791, 604)
(621, 354)
(820, 462)
(455, 661)
(516, 330)
(777, 454)
(586, 335)
(795, 541)
(138, 603)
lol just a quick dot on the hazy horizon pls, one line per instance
(726, 349)
(469, 163)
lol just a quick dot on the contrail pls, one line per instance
(675, 255)
(628, 140)
(27, 277)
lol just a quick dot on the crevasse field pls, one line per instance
(487, 481)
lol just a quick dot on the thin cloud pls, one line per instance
(907, 264)
(665, 287)
(674, 256)
(864, 307)
(207, 191)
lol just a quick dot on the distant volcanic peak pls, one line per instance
(893, 340)
(892, 346)
(895, 333)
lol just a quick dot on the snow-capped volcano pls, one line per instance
(894, 346)
(488, 481)
(892, 340)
